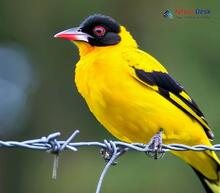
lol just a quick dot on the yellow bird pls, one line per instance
(132, 95)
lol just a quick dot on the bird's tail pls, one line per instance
(207, 167)
(210, 185)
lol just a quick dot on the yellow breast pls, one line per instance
(130, 111)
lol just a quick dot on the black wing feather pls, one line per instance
(167, 84)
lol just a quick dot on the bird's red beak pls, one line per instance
(74, 34)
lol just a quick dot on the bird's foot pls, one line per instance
(155, 146)
(106, 154)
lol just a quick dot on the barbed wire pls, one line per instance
(110, 150)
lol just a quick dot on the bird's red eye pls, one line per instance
(99, 30)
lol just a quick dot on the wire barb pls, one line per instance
(57, 147)
(114, 149)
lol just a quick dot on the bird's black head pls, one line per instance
(97, 30)
(103, 29)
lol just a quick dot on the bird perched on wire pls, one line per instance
(133, 96)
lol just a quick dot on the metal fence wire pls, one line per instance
(110, 150)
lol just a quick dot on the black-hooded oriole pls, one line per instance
(133, 96)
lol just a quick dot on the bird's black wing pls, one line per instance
(166, 86)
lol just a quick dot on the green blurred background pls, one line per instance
(37, 94)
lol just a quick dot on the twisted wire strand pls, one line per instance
(51, 144)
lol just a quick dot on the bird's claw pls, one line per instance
(155, 146)
(107, 154)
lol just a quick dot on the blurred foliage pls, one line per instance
(189, 48)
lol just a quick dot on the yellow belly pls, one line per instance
(134, 112)
(131, 111)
